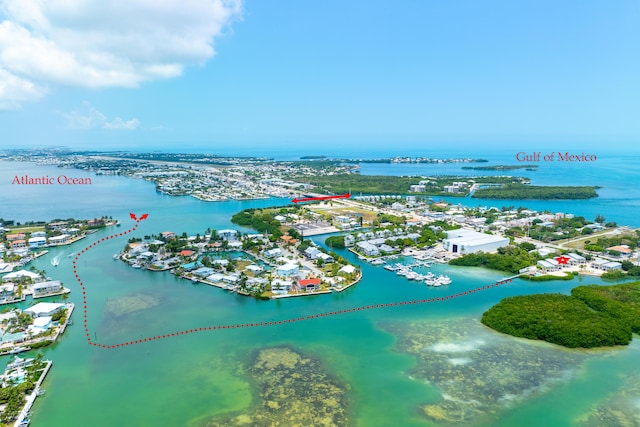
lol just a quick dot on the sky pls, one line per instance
(226, 75)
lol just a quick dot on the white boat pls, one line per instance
(16, 350)
(445, 280)
(438, 280)
(19, 362)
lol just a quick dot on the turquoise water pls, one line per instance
(184, 380)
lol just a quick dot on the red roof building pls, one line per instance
(309, 284)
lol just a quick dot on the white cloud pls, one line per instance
(15, 90)
(90, 118)
(97, 43)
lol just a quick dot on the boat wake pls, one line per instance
(56, 260)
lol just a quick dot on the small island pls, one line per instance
(519, 191)
(502, 167)
(592, 316)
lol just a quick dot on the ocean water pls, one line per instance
(187, 380)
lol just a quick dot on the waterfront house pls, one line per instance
(309, 285)
(547, 265)
(281, 285)
(367, 249)
(40, 325)
(384, 248)
(43, 289)
(347, 269)
(36, 242)
(203, 271)
(215, 277)
(168, 235)
(349, 240)
(191, 266)
(6, 291)
(59, 240)
(228, 235)
(606, 265)
(531, 270)
(20, 273)
(231, 278)
(44, 309)
(5, 268)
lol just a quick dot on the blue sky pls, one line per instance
(327, 74)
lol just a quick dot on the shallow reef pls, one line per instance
(478, 372)
(294, 389)
(121, 306)
(621, 409)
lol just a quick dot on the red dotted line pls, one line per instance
(255, 324)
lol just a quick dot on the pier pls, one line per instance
(22, 419)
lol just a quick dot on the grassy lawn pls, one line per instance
(19, 229)
(367, 215)
(579, 243)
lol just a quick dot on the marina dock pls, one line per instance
(23, 419)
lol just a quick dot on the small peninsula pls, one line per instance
(592, 316)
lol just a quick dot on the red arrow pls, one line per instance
(133, 216)
(144, 216)
(309, 199)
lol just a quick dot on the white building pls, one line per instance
(465, 241)
(40, 325)
(228, 235)
(44, 309)
(36, 242)
(43, 289)
(368, 249)
(272, 253)
(288, 270)
(20, 273)
(59, 240)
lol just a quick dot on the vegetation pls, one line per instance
(593, 316)
(509, 258)
(521, 191)
(613, 275)
(556, 318)
(335, 242)
(548, 277)
(383, 184)
(261, 220)
(563, 228)
(501, 167)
